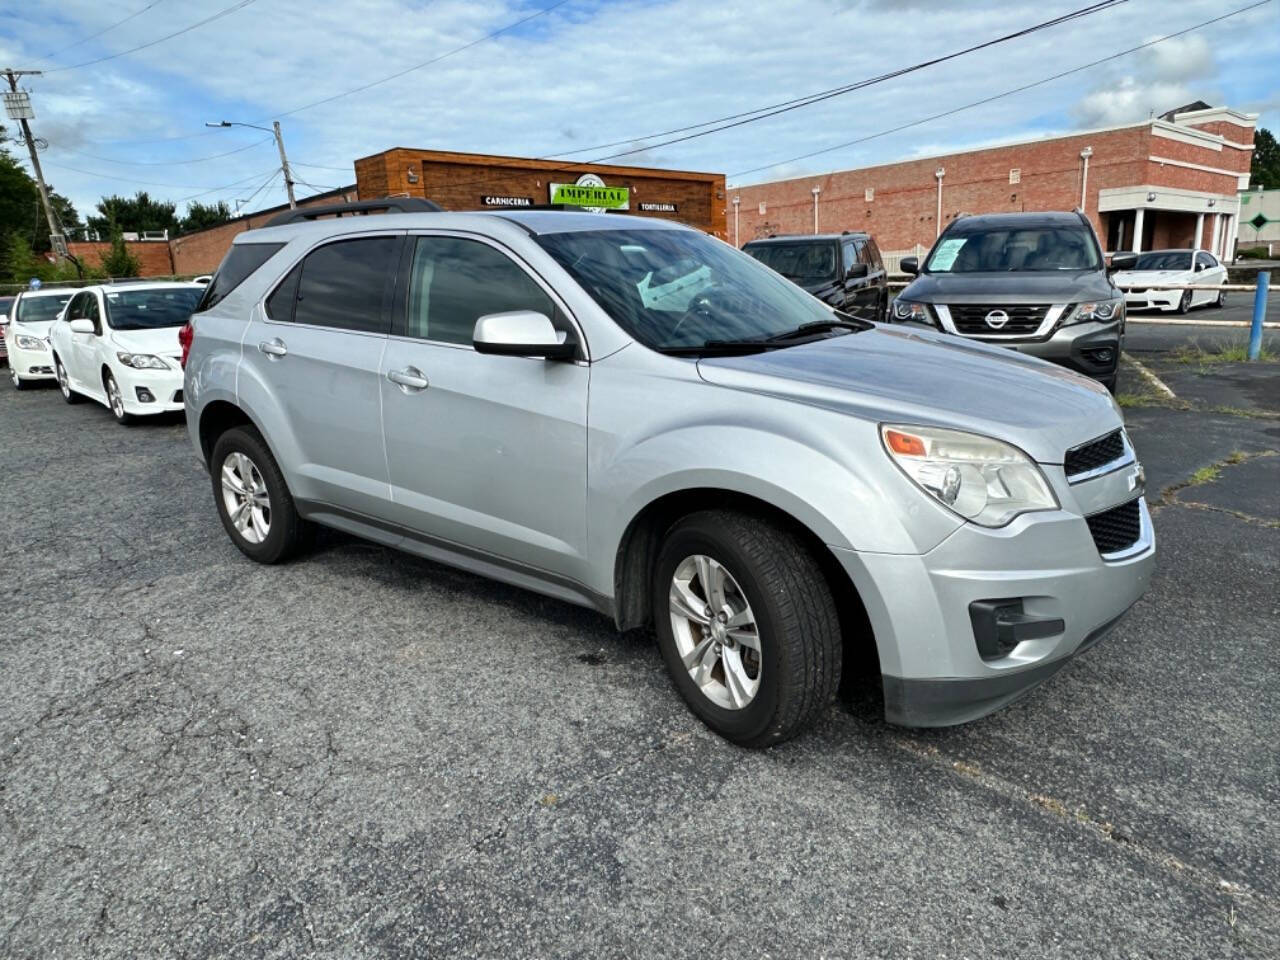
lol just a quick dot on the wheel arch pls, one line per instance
(219, 416)
(641, 541)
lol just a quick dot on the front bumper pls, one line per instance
(164, 387)
(920, 610)
(1089, 348)
(1152, 299)
(31, 364)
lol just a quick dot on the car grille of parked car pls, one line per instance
(1116, 529)
(970, 319)
(1094, 454)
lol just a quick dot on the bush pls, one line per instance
(118, 261)
(1252, 253)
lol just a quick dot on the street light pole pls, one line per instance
(284, 160)
(18, 107)
(736, 201)
(815, 191)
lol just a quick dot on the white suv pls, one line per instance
(118, 344)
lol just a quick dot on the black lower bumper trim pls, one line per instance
(946, 701)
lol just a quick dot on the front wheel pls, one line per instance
(253, 500)
(1221, 301)
(115, 399)
(1184, 304)
(18, 382)
(747, 626)
(64, 383)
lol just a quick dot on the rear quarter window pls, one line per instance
(237, 266)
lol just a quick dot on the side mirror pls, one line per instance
(909, 265)
(857, 271)
(81, 325)
(1122, 261)
(522, 333)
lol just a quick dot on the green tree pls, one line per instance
(1264, 171)
(134, 214)
(17, 261)
(20, 207)
(202, 215)
(118, 261)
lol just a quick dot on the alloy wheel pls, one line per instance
(13, 375)
(115, 398)
(63, 384)
(716, 634)
(245, 497)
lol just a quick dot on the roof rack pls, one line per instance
(382, 205)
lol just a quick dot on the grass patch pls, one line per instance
(1235, 352)
(1205, 475)
(1137, 399)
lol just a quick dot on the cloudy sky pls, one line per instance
(586, 73)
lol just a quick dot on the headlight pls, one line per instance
(1098, 311)
(981, 479)
(30, 343)
(142, 361)
(904, 310)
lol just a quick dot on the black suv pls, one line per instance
(843, 269)
(1033, 282)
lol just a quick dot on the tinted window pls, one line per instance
(850, 256)
(1006, 249)
(146, 309)
(1164, 260)
(280, 303)
(40, 309)
(1205, 260)
(241, 261)
(874, 252)
(801, 262)
(90, 310)
(345, 284)
(5, 304)
(76, 308)
(864, 255)
(454, 282)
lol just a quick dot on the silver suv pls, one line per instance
(633, 416)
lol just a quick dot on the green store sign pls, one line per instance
(590, 194)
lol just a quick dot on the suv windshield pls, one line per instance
(803, 262)
(144, 309)
(1164, 260)
(681, 288)
(1014, 249)
(40, 309)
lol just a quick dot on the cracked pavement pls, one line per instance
(365, 755)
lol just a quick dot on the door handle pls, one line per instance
(273, 348)
(410, 379)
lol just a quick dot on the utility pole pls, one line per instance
(275, 132)
(17, 105)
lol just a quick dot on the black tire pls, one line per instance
(117, 410)
(796, 618)
(1184, 304)
(1221, 302)
(17, 381)
(64, 384)
(287, 532)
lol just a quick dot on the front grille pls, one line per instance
(1116, 529)
(1094, 454)
(971, 319)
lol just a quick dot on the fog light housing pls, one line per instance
(1000, 625)
(145, 395)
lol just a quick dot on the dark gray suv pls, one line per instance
(1037, 283)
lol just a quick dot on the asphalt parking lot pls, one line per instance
(362, 754)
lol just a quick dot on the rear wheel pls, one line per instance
(254, 502)
(747, 626)
(64, 384)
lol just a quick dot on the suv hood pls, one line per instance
(1013, 288)
(159, 341)
(894, 375)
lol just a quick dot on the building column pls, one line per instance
(1217, 234)
(1137, 230)
(1228, 235)
(1198, 242)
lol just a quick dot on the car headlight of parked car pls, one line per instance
(983, 480)
(30, 343)
(909, 310)
(1097, 311)
(142, 361)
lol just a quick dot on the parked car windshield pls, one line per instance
(145, 309)
(800, 262)
(1164, 260)
(1014, 249)
(681, 288)
(40, 309)
(5, 304)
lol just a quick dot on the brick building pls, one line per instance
(471, 181)
(1158, 183)
(154, 256)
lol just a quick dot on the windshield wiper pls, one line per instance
(721, 348)
(820, 326)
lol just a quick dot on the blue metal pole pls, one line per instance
(1259, 311)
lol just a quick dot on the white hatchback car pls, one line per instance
(26, 334)
(1164, 267)
(118, 344)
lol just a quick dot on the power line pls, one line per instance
(142, 183)
(151, 43)
(225, 186)
(320, 166)
(998, 96)
(804, 101)
(166, 163)
(94, 36)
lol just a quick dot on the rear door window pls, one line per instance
(280, 303)
(236, 267)
(348, 284)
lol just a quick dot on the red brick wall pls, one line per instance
(153, 256)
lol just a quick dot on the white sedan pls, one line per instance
(1161, 267)
(26, 333)
(118, 344)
